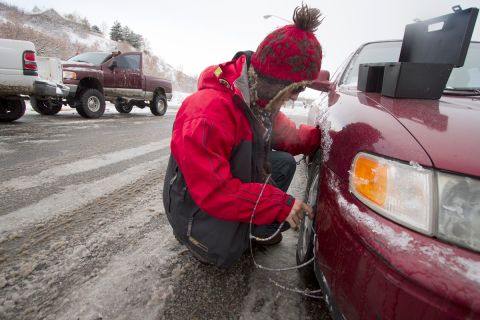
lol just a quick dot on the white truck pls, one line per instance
(20, 80)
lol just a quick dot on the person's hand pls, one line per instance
(296, 214)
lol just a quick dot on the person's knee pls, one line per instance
(290, 163)
(283, 168)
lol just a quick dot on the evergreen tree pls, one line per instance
(116, 32)
(135, 40)
(96, 29)
(126, 33)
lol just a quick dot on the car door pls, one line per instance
(108, 75)
(128, 75)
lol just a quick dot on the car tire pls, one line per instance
(305, 244)
(124, 107)
(11, 109)
(91, 104)
(46, 107)
(158, 105)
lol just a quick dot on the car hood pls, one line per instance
(79, 66)
(448, 129)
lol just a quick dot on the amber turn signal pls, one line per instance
(370, 179)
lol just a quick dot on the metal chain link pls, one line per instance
(305, 292)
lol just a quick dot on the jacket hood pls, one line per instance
(231, 77)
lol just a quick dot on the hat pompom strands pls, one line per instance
(288, 58)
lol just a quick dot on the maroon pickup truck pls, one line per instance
(94, 77)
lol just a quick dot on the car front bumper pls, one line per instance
(376, 269)
(73, 90)
(44, 88)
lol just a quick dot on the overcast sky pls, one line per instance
(193, 34)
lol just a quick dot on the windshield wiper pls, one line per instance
(462, 91)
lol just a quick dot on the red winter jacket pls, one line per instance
(212, 142)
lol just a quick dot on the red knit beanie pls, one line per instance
(291, 53)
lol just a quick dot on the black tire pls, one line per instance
(11, 109)
(305, 245)
(91, 104)
(158, 105)
(123, 107)
(46, 107)
(71, 102)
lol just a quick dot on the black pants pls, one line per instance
(283, 169)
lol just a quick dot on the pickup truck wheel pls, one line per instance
(91, 104)
(123, 107)
(158, 106)
(46, 107)
(11, 110)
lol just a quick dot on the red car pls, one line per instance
(396, 191)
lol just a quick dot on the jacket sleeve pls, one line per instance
(286, 136)
(202, 150)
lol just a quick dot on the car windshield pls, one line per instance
(466, 77)
(372, 53)
(91, 57)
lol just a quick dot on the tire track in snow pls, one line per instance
(146, 272)
(73, 197)
(89, 247)
(92, 163)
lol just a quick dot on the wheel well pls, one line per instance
(89, 83)
(159, 91)
(314, 158)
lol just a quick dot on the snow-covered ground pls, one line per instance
(83, 234)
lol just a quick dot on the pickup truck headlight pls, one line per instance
(69, 75)
(406, 194)
(459, 210)
(398, 191)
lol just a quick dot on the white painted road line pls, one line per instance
(92, 163)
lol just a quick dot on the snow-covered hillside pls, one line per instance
(55, 35)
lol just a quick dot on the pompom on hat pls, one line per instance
(291, 53)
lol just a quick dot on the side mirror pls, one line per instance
(322, 83)
(113, 65)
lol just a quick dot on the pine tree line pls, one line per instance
(119, 33)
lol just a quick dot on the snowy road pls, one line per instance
(83, 234)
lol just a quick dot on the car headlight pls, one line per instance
(406, 194)
(459, 210)
(398, 191)
(69, 75)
